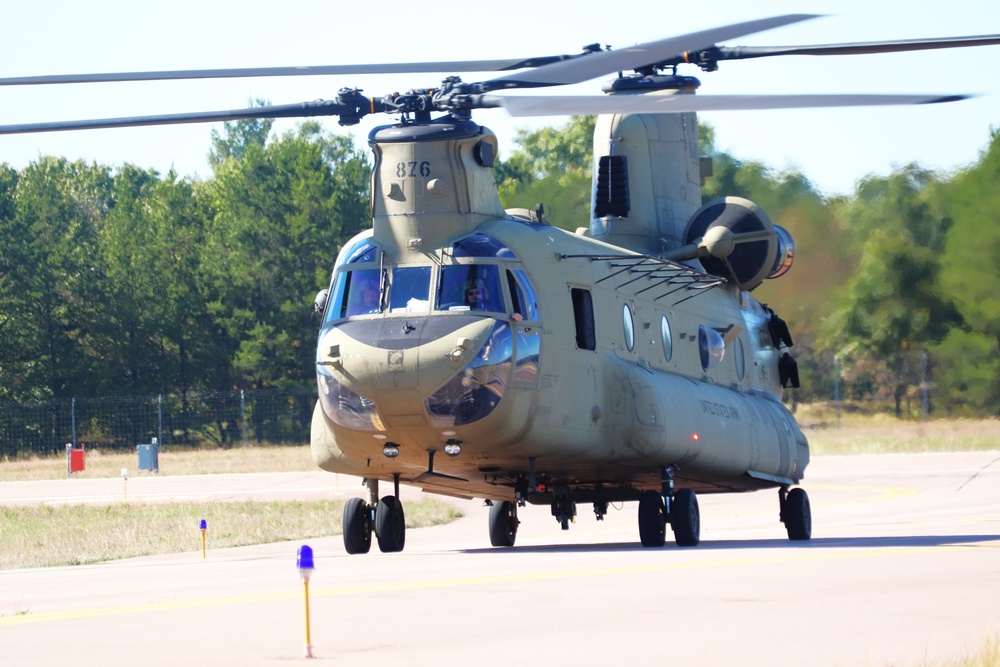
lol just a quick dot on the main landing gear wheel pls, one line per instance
(390, 524)
(685, 520)
(796, 514)
(503, 524)
(357, 526)
(652, 520)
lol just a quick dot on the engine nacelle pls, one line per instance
(759, 248)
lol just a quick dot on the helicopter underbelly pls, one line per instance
(641, 419)
(710, 430)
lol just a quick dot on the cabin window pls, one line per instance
(583, 315)
(711, 347)
(470, 287)
(410, 290)
(522, 295)
(667, 338)
(629, 326)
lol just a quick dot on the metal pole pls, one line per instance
(836, 387)
(72, 413)
(243, 416)
(925, 398)
(159, 419)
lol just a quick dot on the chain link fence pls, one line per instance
(218, 419)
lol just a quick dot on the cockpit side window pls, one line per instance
(354, 293)
(522, 294)
(470, 287)
(362, 292)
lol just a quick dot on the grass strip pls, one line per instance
(44, 536)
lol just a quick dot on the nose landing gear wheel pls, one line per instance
(503, 524)
(390, 524)
(357, 526)
(652, 520)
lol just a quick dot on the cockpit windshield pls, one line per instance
(470, 287)
(475, 275)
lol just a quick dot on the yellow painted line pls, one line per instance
(74, 614)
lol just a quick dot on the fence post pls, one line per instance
(243, 416)
(836, 387)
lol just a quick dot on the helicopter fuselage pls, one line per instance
(584, 369)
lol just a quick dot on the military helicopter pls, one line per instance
(625, 362)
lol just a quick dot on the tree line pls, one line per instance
(122, 281)
(895, 289)
(126, 282)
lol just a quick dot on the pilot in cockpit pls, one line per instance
(477, 297)
(364, 293)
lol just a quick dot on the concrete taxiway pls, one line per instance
(903, 568)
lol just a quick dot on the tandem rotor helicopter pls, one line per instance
(478, 352)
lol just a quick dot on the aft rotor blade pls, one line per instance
(858, 48)
(303, 110)
(232, 73)
(634, 57)
(682, 103)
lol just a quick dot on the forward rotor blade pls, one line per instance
(634, 57)
(582, 105)
(858, 48)
(302, 110)
(233, 73)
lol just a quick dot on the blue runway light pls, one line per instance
(305, 561)
(203, 525)
(305, 565)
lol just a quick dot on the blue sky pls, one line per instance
(832, 147)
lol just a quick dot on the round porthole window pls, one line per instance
(668, 341)
(629, 327)
(711, 346)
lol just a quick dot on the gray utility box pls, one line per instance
(149, 457)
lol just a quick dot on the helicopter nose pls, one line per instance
(398, 363)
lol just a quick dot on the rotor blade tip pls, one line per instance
(948, 98)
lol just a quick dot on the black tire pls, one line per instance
(390, 524)
(797, 515)
(652, 520)
(357, 526)
(503, 524)
(685, 519)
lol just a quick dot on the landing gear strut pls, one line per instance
(563, 508)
